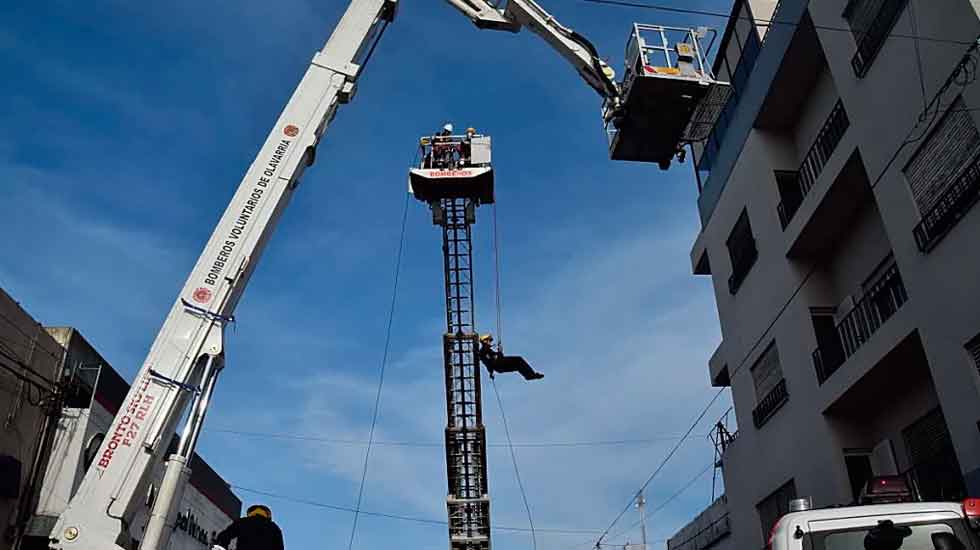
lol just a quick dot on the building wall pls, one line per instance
(710, 530)
(859, 210)
(26, 351)
(207, 506)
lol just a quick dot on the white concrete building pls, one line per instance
(208, 504)
(838, 195)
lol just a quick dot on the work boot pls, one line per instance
(535, 376)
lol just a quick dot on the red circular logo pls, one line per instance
(202, 295)
(290, 130)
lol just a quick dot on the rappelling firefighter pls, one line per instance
(496, 362)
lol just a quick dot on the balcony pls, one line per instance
(952, 205)
(877, 305)
(771, 403)
(813, 163)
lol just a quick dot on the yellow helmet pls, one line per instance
(259, 510)
(486, 338)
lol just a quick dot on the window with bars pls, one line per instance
(741, 250)
(951, 147)
(871, 21)
(766, 372)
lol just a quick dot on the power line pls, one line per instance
(669, 499)
(761, 22)
(27, 368)
(425, 521)
(934, 107)
(433, 444)
(381, 374)
(517, 471)
(31, 338)
(963, 74)
(663, 463)
(496, 274)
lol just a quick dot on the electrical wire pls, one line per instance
(963, 75)
(918, 54)
(661, 466)
(426, 444)
(425, 521)
(759, 22)
(381, 374)
(690, 483)
(33, 338)
(496, 272)
(45, 384)
(513, 459)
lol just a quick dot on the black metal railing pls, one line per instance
(743, 263)
(739, 80)
(871, 28)
(878, 304)
(813, 163)
(952, 205)
(770, 404)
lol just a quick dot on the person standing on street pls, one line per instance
(255, 531)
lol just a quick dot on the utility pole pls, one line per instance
(641, 504)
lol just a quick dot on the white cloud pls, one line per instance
(625, 358)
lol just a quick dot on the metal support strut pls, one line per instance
(468, 501)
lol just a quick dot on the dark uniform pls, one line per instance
(256, 531)
(496, 361)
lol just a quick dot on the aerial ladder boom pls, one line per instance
(179, 373)
(575, 48)
(184, 360)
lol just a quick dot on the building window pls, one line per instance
(775, 506)
(741, 250)
(944, 174)
(973, 348)
(946, 152)
(935, 469)
(871, 21)
(770, 387)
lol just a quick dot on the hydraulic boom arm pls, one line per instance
(568, 43)
(179, 373)
(187, 354)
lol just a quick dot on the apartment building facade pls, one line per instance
(30, 365)
(837, 206)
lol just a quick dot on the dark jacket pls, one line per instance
(252, 533)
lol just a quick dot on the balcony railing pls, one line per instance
(877, 305)
(739, 80)
(816, 158)
(770, 404)
(952, 205)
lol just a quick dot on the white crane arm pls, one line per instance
(569, 44)
(183, 362)
(188, 351)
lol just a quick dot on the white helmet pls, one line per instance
(448, 127)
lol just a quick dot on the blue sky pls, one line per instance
(127, 129)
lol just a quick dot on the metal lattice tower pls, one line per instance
(468, 501)
(453, 177)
